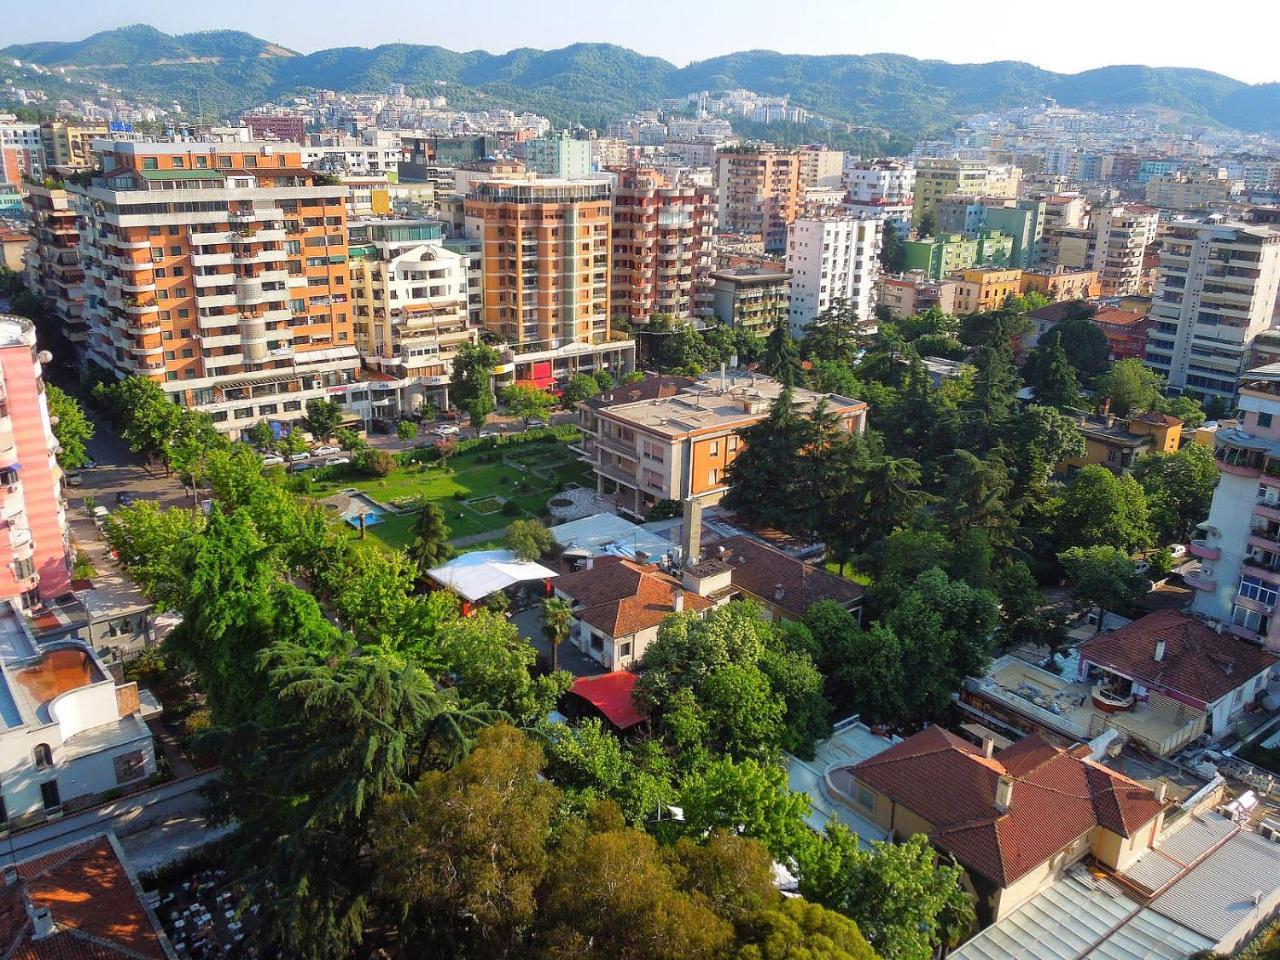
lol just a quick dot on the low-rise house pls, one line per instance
(1116, 442)
(1125, 330)
(784, 586)
(1015, 820)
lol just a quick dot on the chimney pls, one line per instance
(1004, 793)
(692, 532)
(591, 562)
(988, 747)
(1159, 654)
(41, 921)
(677, 599)
(1162, 790)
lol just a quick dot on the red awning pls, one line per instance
(611, 695)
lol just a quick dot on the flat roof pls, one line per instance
(851, 743)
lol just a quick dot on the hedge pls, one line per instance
(430, 453)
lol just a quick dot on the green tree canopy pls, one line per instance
(70, 426)
(1098, 508)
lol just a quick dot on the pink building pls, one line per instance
(34, 548)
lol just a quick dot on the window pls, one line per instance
(49, 795)
(1264, 420)
(202, 163)
(715, 448)
(150, 163)
(865, 798)
(179, 163)
(175, 251)
(43, 755)
(624, 650)
(130, 766)
(1258, 590)
(713, 477)
(24, 569)
(1250, 619)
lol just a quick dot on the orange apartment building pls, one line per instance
(219, 270)
(545, 248)
(758, 192)
(677, 445)
(980, 290)
(53, 268)
(661, 247)
(1062, 283)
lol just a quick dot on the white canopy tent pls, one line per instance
(474, 576)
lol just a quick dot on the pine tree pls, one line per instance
(430, 545)
(1056, 384)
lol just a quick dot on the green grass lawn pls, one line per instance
(549, 469)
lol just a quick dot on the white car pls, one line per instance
(295, 457)
(325, 451)
(537, 424)
(1178, 550)
(446, 430)
(272, 460)
(489, 433)
(337, 461)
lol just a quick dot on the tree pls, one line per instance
(71, 428)
(144, 413)
(604, 379)
(406, 430)
(430, 544)
(581, 386)
(529, 540)
(1103, 577)
(527, 402)
(903, 900)
(292, 443)
(1187, 409)
(473, 381)
(557, 621)
(1098, 508)
(379, 463)
(1055, 383)
(927, 224)
(750, 799)
(796, 929)
(1179, 488)
(1131, 387)
(261, 435)
(590, 764)
(463, 854)
(893, 255)
(780, 358)
(322, 417)
(153, 544)
(1085, 344)
(762, 479)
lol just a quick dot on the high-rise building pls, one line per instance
(409, 296)
(1237, 579)
(20, 152)
(53, 268)
(34, 564)
(940, 177)
(821, 167)
(881, 189)
(832, 259)
(557, 155)
(758, 192)
(1174, 192)
(1122, 235)
(219, 271)
(69, 143)
(546, 247)
(1215, 292)
(661, 247)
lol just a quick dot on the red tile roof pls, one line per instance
(1058, 796)
(620, 597)
(1198, 663)
(789, 584)
(612, 695)
(93, 904)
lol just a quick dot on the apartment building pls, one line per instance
(546, 248)
(1215, 293)
(1237, 579)
(756, 298)
(21, 153)
(758, 192)
(276, 126)
(678, 447)
(69, 143)
(1176, 192)
(981, 290)
(821, 168)
(937, 178)
(942, 255)
(220, 272)
(409, 299)
(373, 153)
(1062, 283)
(913, 292)
(880, 189)
(559, 156)
(53, 268)
(1116, 442)
(831, 259)
(662, 240)
(34, 564)
(1122, 235)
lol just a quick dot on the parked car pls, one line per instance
(337, 461)
(272, 460)
(295, 457)
(537, 424)
(446, 430)
(325, 450)
(125, 498)
(304, 466)
(100, 514)
(489, 433)
(75, 478)
(1177, 550)
(90, 464)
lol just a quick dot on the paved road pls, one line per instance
(119, 470)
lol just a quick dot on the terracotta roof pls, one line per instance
(1119, 317)
(1162, 419)
(621, 597)
(761, 570)
(612, 695)
(1198, 662)
(92, 901)
(1058, 796)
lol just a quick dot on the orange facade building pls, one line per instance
(219, 271)
(758, 192)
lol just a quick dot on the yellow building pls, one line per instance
(1115, 443)
(67, 143)
(980, 290)
(940, 177)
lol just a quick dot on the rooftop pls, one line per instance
(787, 583)
(621, 597)
(611, 694)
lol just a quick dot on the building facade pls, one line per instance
(559, 156)
(53, 268)
(752, 298)
(758, 192)
(21, 152)
(981, 290)
(1122, 236)
(937, 178)
(1215, 293)
(832, 259)
(69, 143)
(220, 272)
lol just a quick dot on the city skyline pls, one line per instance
(710, 30)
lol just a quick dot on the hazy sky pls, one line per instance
(1067, 35)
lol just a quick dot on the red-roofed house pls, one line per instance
(1125, 330)
(618, 605)
(1015, 820)
(612, 695)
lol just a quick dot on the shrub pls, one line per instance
(511, 509)
(377, 462)
(460, 495)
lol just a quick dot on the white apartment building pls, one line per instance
(832, 258)
(1215, 292)
(880, 189)
(377, 152)
(1123, 234)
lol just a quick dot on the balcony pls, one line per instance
(1270, 511)
(1198, 578)
(1202, 549)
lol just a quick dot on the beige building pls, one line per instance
(1176, 192)
(69, 143)
(758, 192)
(1122, 237)
(53, 259)
(938, 178)
(821, 168)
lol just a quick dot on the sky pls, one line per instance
(1065, 36)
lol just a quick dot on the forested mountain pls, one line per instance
(590, 83)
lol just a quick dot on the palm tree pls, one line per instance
(557, 621)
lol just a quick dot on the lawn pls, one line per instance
(529, 476)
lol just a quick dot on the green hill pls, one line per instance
(591, 83)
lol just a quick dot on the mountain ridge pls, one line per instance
(590, 83)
